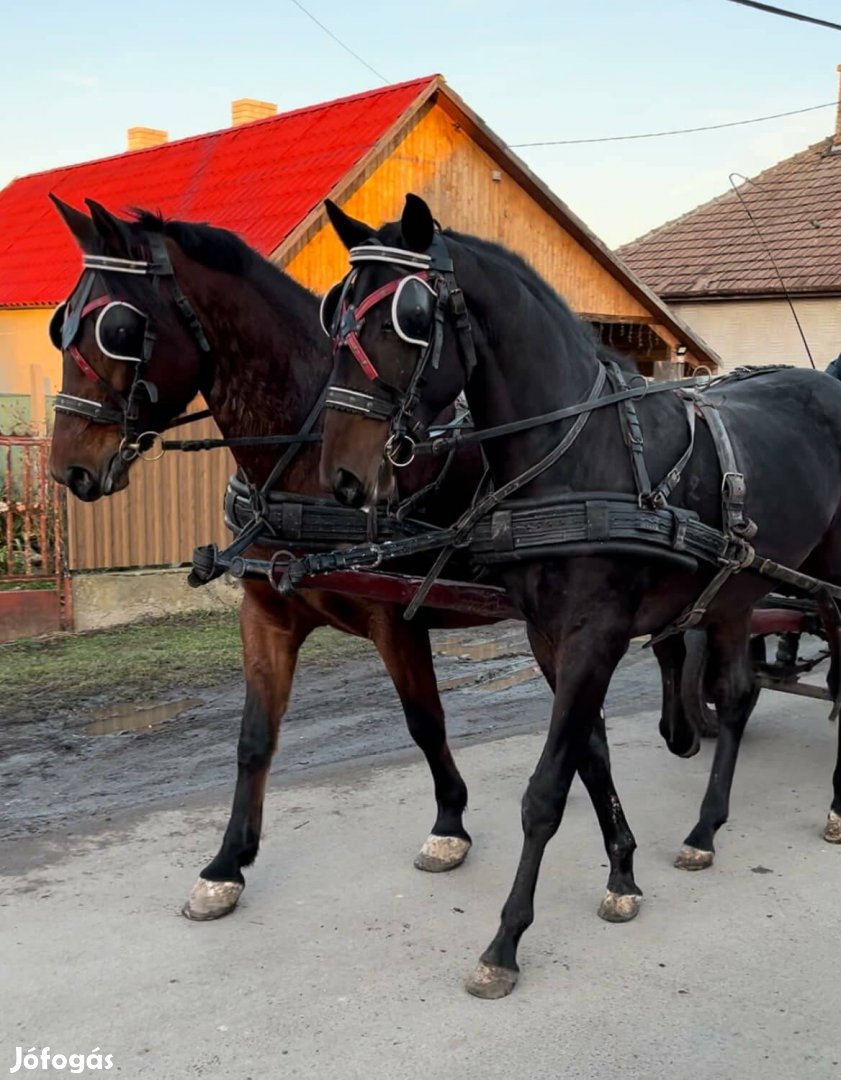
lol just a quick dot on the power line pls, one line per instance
(339, 42)
(770, 255)
(787, 14)
(676, 131)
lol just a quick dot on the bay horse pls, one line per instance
(266, 362)
(514, 347)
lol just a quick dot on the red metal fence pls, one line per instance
(34, 592)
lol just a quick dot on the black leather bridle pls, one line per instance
(433, 269)
(65, 328)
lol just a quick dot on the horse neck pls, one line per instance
(266, 366)
(532, 357)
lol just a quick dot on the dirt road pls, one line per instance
(55, 773)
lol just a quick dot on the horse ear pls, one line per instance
(350, 231)
(417, 224)
(79, 224)
(111, 229)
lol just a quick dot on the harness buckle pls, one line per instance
(733, 487)
(652, 500)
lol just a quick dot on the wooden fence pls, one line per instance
(170, 507)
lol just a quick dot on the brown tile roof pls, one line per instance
(714, 250)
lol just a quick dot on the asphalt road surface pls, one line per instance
(343, 961)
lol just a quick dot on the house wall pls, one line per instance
(764, 331)
(29, 366)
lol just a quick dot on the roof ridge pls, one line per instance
(230, 129)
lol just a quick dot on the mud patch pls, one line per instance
(137, 718)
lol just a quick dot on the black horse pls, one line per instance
(518, 352)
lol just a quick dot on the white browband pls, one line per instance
(116, 265)
(395, 256)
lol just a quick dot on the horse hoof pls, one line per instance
(691, 752)
(440, 853)
(691, 858)
(619, 908)
(832, 832)
(212, 899)
(491, 981)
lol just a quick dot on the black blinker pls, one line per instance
(57, 325)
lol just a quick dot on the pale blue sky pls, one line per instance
(76, 75)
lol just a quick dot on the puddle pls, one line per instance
(137, 718)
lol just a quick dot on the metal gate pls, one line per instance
(34, 589)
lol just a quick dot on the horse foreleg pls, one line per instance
(406, 653)
(732, 686)
(584, 661)
(621, 901)
(272, 634)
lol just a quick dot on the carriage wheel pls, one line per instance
(696, 698)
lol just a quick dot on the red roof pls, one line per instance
(259, 180)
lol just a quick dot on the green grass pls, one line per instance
(146, 659)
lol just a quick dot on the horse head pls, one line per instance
(132, 349)
(396, 366)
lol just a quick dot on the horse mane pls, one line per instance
(578, 331)
(221, 249)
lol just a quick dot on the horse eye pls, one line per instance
(388, 326)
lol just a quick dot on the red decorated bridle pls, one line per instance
(420, 301)
(65, 329)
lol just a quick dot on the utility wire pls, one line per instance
(677, 131)
(787, 14)
(770, 255)
(339, 42)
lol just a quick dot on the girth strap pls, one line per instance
(736, 526)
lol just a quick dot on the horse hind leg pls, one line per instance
(272, 634)
(732, 689)
(407, 655)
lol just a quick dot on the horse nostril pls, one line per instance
(348, 489)
(82, 483)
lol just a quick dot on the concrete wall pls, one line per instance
(114, 599)
(764, 331)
